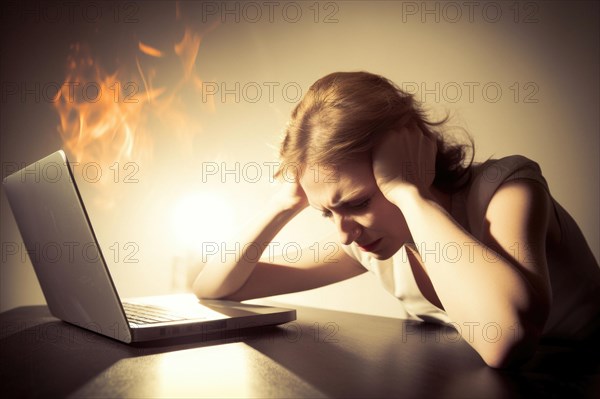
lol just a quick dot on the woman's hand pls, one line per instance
(404, 158)
(290, 196)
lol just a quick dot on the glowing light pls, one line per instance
(222, 371)
(201, 217)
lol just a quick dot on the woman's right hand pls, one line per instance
(403, 158)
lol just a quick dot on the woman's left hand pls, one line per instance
(404, 158)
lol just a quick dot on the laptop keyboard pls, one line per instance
(148, 314)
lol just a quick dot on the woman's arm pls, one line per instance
(238, 274)
(307, 272)
(495, 288)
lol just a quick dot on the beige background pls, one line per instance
(543, 57)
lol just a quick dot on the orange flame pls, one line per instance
(104, 117)
(144, 48)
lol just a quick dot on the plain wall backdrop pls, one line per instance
(520, 77)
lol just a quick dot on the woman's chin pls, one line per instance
(382, 254)
(386, 251)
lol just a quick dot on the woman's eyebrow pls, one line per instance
(316, 207)
(350, 200)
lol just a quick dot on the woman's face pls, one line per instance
(349, 197)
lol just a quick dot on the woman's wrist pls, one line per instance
(286, 204)
(404, 195)
(284, 208)
(289, 198)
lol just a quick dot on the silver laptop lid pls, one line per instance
(62, 247)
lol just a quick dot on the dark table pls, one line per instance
(322, 354)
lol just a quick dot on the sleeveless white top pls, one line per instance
(574, 272)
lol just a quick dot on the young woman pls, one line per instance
(471, 245)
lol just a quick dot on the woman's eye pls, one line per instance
(326, 214)
(360, 205)
(363, 204)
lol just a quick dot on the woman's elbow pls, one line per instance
(519, 341)
(511, 351)
(204, 291)
(200, 293)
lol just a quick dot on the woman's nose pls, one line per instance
(348, 229)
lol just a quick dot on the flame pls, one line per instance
(144, 48)
(107, 117)
(187, 50)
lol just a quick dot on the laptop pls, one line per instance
(75, 278)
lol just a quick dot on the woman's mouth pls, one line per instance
(369, 247)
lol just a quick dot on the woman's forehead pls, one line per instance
(345, 172)
(334, 183)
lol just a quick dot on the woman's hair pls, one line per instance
(343, 115)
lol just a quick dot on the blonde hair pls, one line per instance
(342, 116)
